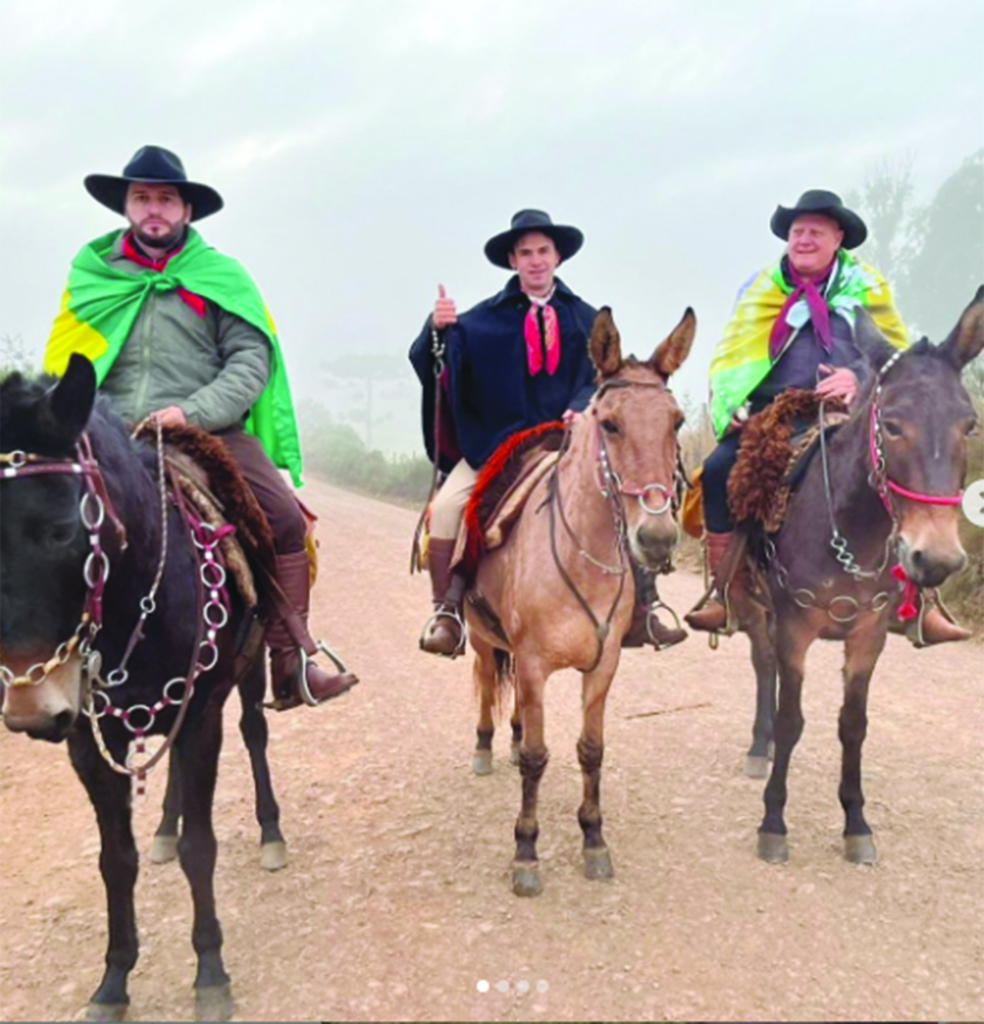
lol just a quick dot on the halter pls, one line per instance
(612, 490)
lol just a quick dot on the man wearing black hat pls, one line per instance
(514, 361)
(180, 332)
(792, 327)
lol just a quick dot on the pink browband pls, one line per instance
(926, 499)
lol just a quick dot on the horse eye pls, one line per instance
(609, 426)
(973, 428)
(61, 535)
(892, 429)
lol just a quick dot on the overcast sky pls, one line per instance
(367, 149)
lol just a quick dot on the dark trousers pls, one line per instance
(275, 497)
(714, 481)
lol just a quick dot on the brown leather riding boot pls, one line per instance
(933, 625)
(712, 616)
(646, 627)
(296, 678)
(444, 631)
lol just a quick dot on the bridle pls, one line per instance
(614, 491)
(879, 478)
(885, 487)
(213, 604)
(94, 508)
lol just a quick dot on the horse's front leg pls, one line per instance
(256, 734)
(164, 847)
(533, 757)
(198, 747)
(862, 650)
(590, 753)
(110, 796)
(793, 637)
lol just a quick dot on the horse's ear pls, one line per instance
(872, 343)
(671, 353)
(967, 339)
(70, 401)
(605, 345)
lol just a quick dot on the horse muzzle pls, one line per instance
(46, 710)
(654, 540)
(929, 565)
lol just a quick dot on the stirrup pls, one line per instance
(454, 615)
(651, 616)
(302, 686)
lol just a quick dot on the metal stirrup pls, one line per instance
(306, 659)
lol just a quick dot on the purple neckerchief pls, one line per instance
(817, 306)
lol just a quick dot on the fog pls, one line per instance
(366, 150)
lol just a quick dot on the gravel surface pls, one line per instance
(396, 902)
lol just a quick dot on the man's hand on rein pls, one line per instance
(172, 416)
(445, 312)
(839, 383)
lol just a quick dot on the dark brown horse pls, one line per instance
(559, 592)
(881, 497)
(118, 623)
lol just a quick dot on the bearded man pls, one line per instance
(180, 333)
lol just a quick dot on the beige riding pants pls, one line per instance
(449, 503)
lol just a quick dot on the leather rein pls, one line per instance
(614, 491)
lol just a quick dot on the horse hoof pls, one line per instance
(482, 762)
(756, 766)
(214, 1003)
(860, 850)
(106, 1011)
(514, 755)
(273, 856)
(773, 848)
(598, 864)
(163, 849)
(526, 878)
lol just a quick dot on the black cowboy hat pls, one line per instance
(568, 240)
(159, 167)
(818, 200)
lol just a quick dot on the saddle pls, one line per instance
(775, 450)
(502, 489)
(209, 479)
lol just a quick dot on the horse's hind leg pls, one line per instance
(590, 753)
(483, 674)
(764, 663)
(164, 847)
(255, 733)
(516, 722)
(110, 796)
(861, 653)
(791, 646)
(533, 757)
(198, 748)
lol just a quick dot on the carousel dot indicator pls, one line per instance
(502, 986)
(522, 987)
(482, 986)
(542, 986)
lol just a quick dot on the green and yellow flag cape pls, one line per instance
(101, 305)
(741, 360)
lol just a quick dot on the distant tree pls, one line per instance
(14, 355)
(369, 370)
(886, 203)
(948, 267)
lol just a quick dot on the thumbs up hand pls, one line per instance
(444, 313)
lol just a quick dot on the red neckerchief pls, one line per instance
(541, 329)
(817, 306)
(133, 254)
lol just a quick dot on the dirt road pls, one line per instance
(396, 902)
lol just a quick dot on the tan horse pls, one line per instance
(559, 592)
